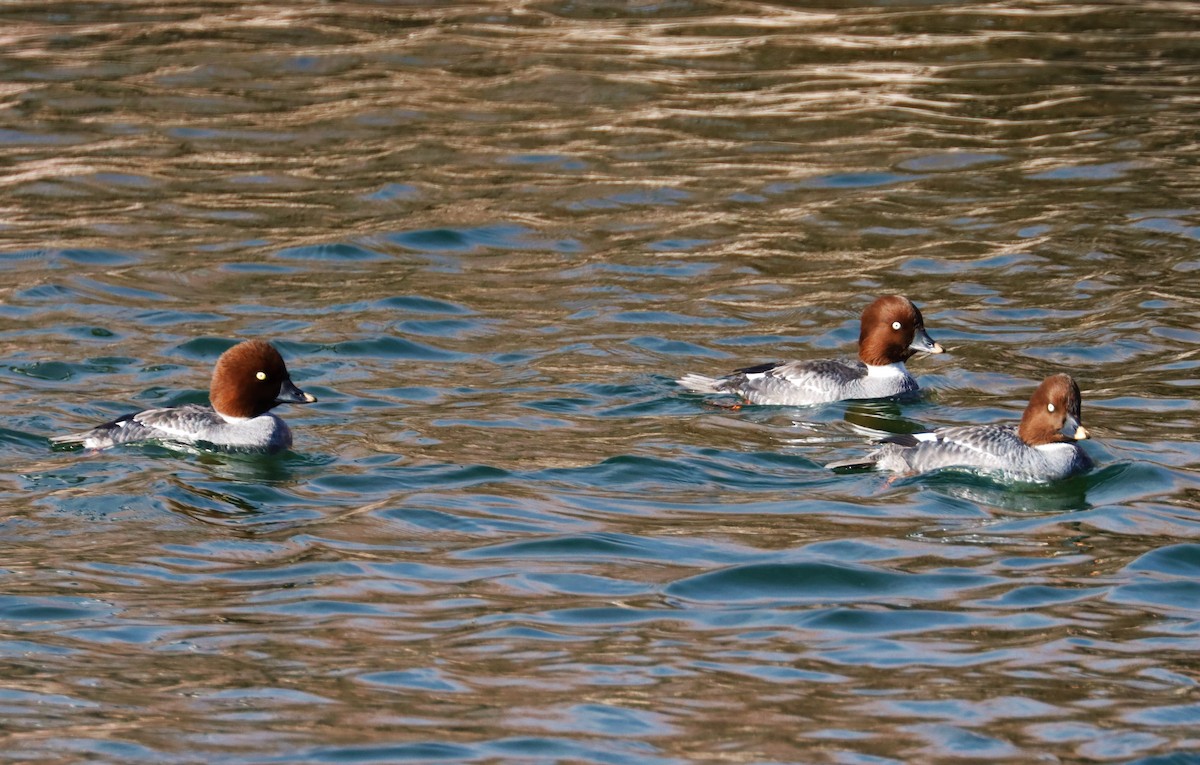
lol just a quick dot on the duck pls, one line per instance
(249, 380)
(1043, 447)
(891, 331)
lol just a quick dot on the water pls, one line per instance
(488, 236)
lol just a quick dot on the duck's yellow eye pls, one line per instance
(261, 375)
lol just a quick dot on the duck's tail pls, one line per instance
(701, 384)
(869, 462)
(71, 439)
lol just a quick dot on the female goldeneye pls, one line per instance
(1042, 448)
(890, 332)
(249, 380)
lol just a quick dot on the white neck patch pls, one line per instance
(887, 370)
(1054, 447)
(233, 420)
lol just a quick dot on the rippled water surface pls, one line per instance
(488, 237)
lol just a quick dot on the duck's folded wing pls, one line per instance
(187, 421)
(798, 382)
(992, 439)
(804, 373)
(984, 446)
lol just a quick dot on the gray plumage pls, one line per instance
(990, 448)
(803, 383)
(186, 424)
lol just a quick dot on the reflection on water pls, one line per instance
(488, 238)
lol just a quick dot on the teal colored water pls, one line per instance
(488, 237)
